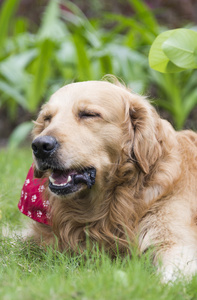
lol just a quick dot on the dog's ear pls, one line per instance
(146, 148)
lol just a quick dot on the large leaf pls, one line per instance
(158, 59)
(181, 48)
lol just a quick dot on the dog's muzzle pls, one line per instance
(61, 181)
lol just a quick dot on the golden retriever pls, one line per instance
(117, 173)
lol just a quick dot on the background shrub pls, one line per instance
(66, 46)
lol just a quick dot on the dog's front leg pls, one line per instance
(178, 262)
(171, 234)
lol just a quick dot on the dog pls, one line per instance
(117, 174)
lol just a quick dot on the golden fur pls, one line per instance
(146, 182)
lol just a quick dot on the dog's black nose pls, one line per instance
(44, 146)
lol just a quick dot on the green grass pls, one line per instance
(14, 165)
(30, 272)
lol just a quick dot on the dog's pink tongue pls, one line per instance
(60, 177)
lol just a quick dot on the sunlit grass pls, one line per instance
(14, 165)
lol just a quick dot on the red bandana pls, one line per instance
(32, 202)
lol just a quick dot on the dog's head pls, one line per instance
(85, 129)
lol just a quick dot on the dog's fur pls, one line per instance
(146, 182)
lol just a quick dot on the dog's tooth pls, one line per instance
(51, 179)
(69, 178)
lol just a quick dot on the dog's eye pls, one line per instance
(47, 118)
(88, 114)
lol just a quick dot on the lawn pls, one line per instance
(29, 272)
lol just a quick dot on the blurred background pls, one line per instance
(46, 44)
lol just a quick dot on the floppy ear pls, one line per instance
(145, 121)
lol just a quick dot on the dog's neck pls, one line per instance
(108, 217)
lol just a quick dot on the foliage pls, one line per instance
(35, 64)
(68, 47)
(175, 51)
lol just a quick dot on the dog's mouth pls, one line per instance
(63, 182)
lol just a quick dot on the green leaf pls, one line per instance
(75, 16)
(21, 26)
(13, 93)
(189, 83)
(19, 134)
(181, 48)
(106, 64)
(164, 104)
(52, 27)
(83, 60)
(13, 68)
(6, 14)
(190, 102)
(158, 59)
(66, 53)
(136, 27)
(41, 74)
(145, 14)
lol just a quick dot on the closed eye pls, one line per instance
(47, 118)
(89, 114)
